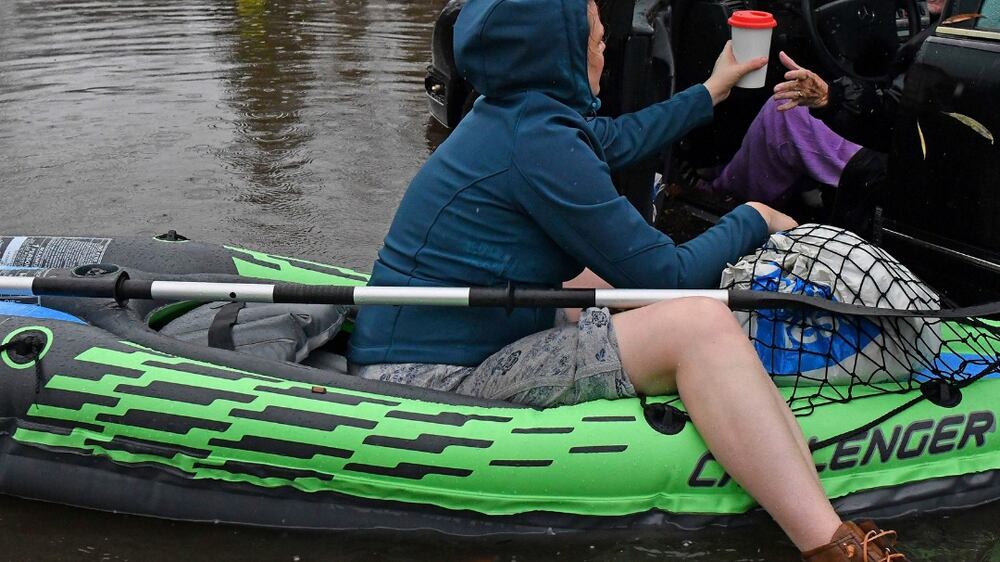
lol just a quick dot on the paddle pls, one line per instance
(118, 286)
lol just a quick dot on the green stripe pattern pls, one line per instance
(258, 265)
(139, 407)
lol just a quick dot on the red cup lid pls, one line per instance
(752, 19)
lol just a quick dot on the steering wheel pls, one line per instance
(857, 38)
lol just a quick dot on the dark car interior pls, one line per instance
(938, 212)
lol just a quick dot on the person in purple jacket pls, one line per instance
(837, 134)
(521, 193)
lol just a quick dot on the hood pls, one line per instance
(505, 47)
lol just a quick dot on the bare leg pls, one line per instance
(796, 430)
(696, 347)
(590, 280)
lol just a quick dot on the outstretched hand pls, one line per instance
(802, 87)
(727, 73)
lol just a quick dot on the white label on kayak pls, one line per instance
(51, 251)
(10, 252)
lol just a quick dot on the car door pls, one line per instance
(639, 71)
(944, 199)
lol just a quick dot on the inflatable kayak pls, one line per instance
(108, 405)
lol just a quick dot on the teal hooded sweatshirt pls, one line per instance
(521, 193)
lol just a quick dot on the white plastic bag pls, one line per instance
(816, 347)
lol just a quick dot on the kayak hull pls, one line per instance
(107, 413)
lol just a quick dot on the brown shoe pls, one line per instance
(861, 542)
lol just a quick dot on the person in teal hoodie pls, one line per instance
(521, 194)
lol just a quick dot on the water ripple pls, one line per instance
(297, 119)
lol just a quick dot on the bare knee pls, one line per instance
(697, 327)
(701, 318)
(656, 340)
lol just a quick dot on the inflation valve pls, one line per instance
(941, 393)
(171, 236)
(22, 348)
(667, 419)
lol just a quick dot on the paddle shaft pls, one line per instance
(119, 287)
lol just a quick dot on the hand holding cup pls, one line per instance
(728, 72)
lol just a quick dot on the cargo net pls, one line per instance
(825, 357)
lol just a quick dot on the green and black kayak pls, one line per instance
(103, 408)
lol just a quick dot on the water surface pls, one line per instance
(289, 125)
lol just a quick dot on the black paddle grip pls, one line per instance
(109, 286)
(315, 294)
(510, 298)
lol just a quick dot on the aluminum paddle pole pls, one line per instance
(120, 287)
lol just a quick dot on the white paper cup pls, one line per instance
(752, 39)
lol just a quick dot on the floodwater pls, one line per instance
(291, 126)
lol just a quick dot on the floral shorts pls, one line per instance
(567, 364)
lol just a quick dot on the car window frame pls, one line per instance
(970, 27)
